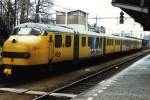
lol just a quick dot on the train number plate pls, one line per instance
(7, 71)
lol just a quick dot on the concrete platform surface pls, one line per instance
(133, 83)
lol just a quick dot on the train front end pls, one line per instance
(25, 49)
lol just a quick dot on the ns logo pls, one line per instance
(57, 54)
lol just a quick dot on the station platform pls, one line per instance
(133, 83)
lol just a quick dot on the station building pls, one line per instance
(77, 19)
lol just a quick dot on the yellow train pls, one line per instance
(33, 44)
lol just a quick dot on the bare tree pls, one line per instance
(43, 8)
(25, 9)
(24, 5)
(10, 14)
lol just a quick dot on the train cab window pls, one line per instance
(68, 41)
(27, 31)
(35, 31)
(58, 41)
(23, 31)
(83, 41)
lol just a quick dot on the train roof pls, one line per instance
(91, 33)
(48, 27)
(57, 28)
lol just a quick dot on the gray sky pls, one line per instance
(103, 8)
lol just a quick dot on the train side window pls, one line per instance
(68, 41)
(117, 42)
(58, 41)
(83, 41)
(97, 42)
(107, 41)
(89, 41)
(112, 42)
(100, 42)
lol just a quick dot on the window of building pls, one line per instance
(68, 41)
(83, 41)
(58, 41)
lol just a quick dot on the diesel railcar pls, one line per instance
(33, 44)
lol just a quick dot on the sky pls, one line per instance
(102, 8)
(93, 7)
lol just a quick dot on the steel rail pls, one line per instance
(109, 67)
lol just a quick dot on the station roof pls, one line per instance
(137, 9)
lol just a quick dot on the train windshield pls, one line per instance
(27, 31)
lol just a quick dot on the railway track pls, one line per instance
(73, 89)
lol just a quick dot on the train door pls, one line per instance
(76, 47)
(51, 46)
(58, 47)
(68, 47)
(63, 47)
(92, 46)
